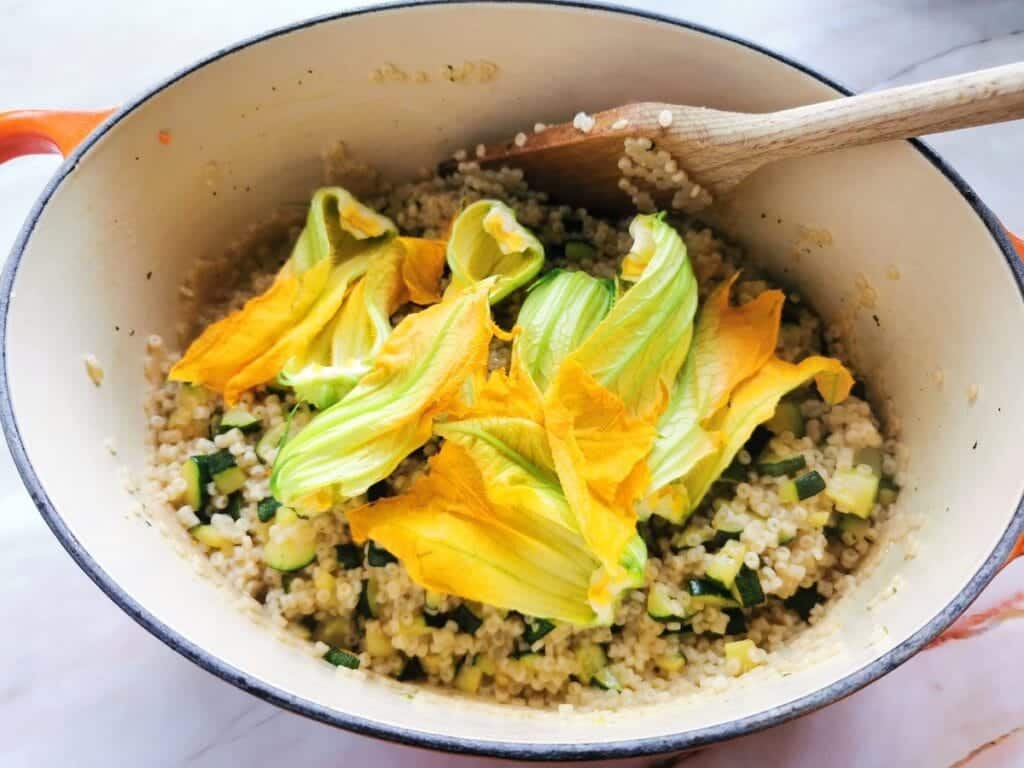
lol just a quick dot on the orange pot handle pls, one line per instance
(1018, 243)
(39, 131)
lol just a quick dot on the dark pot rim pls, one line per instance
(509, 750)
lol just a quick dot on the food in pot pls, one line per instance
(465, 436)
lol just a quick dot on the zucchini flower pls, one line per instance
(401, 270)
(487, 240)
(418, 374)
(250, 346)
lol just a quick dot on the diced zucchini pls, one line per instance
(196, 477)
(727, 521)
(818, 518)
(234, 507)
(378, 556)
(469, 676)
(853, 491)
(787, 418)
(270, 442)
(776, 467)
(218, 462)
(334, 631)
(734, 474)
(230, 480)
(292, 544)
(888, 492)
(412, 669)
(376, 642)
(742, 652)
(349, 556)
(432, 664)
(606, 680)
(803, 600)
(804, 487)
(432, 601)
(663, 607)
(706, 593)
(340, 658)
(720, 539)
(435, 620)
(737, 622)
(670, 663)
(367, 605)
(726, 563)
(578, 250)
(468, 621)
(787, 533)
(869, 457)
(747, 589)
(536, 629)
(211, 537)
(267, 508)
(593, 667)
(858, 526)
(240, 419)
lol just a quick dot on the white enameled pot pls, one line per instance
(886, 240)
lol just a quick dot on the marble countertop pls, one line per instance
(88, 687)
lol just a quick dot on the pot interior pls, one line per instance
(877, 239)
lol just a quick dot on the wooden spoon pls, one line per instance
(704, 153)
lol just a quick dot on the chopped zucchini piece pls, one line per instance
(468, 621)
(853, 491)
(469, 676)
(775, 467)
(663, 607)
(268, 444)
(267, 508)
(720, 539)
(737, 622)
(726, 563)
(804, 487)
(819, 518)
(578, 250)
(734, 474)
(211, 537)
(803, 600)
(340, 658)
(706, 593)
(412, 669)
(432, 601)
(593, 667)
(435, 620)
(376, 642)
(230, 480)
(743, 652)
(888, 492)
(234, 507)
(787, 418)
(240, 419)
(670, 663)
(349, 556)
(292, 544)
(869, 457)
(747, 588)
(858, 526)
(196, 477)
(217, 462)
(367, 604)
(378, 556)
(537, 629)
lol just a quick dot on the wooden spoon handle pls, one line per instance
(962, 101)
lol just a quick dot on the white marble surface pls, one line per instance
(82, 685)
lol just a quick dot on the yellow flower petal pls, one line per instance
(230, 344)
(754, 403)
(461, 532)
(732, 343)
(417, 375)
